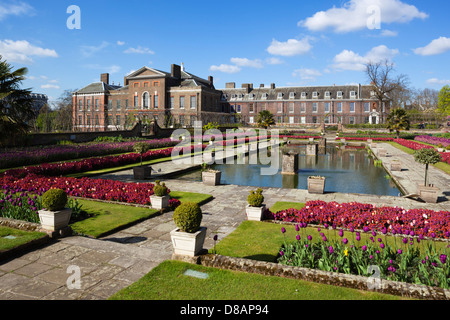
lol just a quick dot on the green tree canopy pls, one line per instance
(444, 101)
(265, 119)
(398, 120)
(427, 157)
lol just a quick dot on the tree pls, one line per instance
(265, 119)
(444, 101)
(384, 84)
(15, 103)
(427, 157)
(398, 120)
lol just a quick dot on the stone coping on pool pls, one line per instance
(336, 279)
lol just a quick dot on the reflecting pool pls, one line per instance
(346, 170)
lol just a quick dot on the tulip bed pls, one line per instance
(404, 261)
(364, 139)
(36, 155)
(433, 140)
(445, 156)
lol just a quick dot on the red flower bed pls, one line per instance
(370, 218)
(417, 146)
(364, 139)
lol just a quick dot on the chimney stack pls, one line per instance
(176, 71)
(104, 77)
(230, 85)
(272, 86)
(211, 80)
(261, 85)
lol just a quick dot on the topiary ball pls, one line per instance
(54, 200)
(160, 189)
(255, 198)
(188, 217)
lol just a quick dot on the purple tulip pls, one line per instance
(405, 240)
(371, 257)
(399, 251)
(352, 230)
(341, 233)
(215, 237)
(283, 230)
(433, 235)
(331, 249)
(364, 248)
(298, 237)
(309, 238)
(297, 228)
(374, 233)
(379, 240)
(324, 238)
(384, 231)
(345, 241)
(358, 238)
(443, 258)
(366, 229)
(326, 226)
(411, 233)
(281, 253)
(382, 245)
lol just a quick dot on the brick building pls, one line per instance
(293, 106)
(179, 98)
(172, 99)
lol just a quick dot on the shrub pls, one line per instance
(188, 217)
(54, 199)
(255, 198)
(160, 189)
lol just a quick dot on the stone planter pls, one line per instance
(255, 213)
(211, 177)
(142, 173)
(440, 149)
(316, 185)
(188, 244)
(381, 152)
(396, 165)
(159, 202)
(428, 194)
(55, 220)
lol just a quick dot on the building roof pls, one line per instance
(97, 87)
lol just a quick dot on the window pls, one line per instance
(88, 120)
(136, 101)
(96, 104)
(303, 95)
(80, 120)
(340, 94)
(88, 105)
(156, 101)
(192, 121)
(291, 107)
(238, 108)
(193, 102)
(251, 108)
(172, 102)
(327, 107)
(280, 96)
(182, 121)
(367, 107)
(156, 83)
(251, 96)
(326, 120)
(146, 84)
(315, 105)
(352, 107)
(279, 119)
(119, 105)
(314, 119)
(327, 94)
(145, 100)
(264, 96)
(80, 105)
(117, 120)
(251, 120)
(182, 102)
(292, 95)
(353, 94)
(291, 120)
(339, 107)
(126, 104)
(315, 95)
(110, 105)
(352, 120)
(136, 85)
(303, 108)
(280, 108)
(303, 120)
(97, 122)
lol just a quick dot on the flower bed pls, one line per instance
(445, 156)
(433, 140)
(395, 220)
(36, 155)
(364, 138)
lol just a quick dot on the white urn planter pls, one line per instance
(55, 220)
(255, 213)
(211, 177)
(159, 202)
(316, 185)
(429, 194)
(188, 244)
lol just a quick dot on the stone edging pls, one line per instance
(318, 276)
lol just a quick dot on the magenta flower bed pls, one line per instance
(433, 140)
(417, 146)
(370, 218)
(364, 139)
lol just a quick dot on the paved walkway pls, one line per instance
(109, 264)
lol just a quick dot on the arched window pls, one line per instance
(145, 100)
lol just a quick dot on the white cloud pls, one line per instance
(50, 86)
(436, 46)
(88, 51)
(356, 15)
(225, 68)
(307, 74)
(349, 60)
(389, 33)
(244, 62)
(21, 51)
(120, 43)
(292, 47)
(438, 81)
(15, 9)
(139, 50)
(274, 61)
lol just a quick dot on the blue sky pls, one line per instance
(289, 43)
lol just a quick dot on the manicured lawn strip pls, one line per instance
(441, 165)
(108, 217)
(280, 205)
(263, 240)
(199, 198)
(168, 282)
(22, 237)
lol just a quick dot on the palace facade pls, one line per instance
(179, 98)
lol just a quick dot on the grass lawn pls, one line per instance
(108, 217)
(21, 237)
(262, 240)
(168, 282)
(280, 205)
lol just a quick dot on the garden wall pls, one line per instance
(336, 279)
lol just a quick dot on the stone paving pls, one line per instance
(109, 264)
